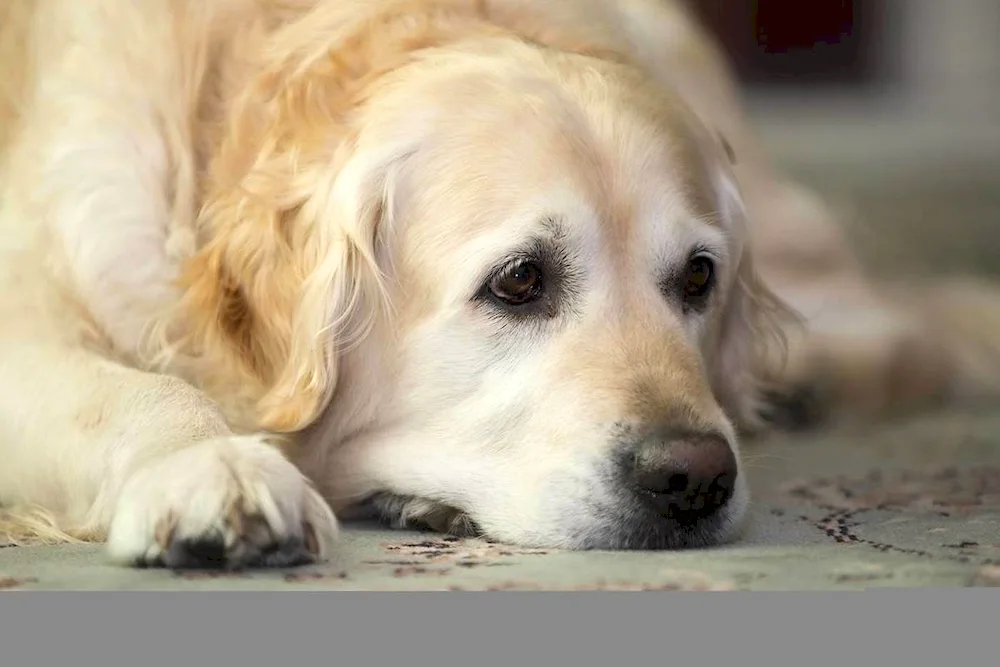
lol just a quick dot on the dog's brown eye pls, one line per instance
(518, 284)
(699, 279)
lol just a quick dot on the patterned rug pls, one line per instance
(915, 503)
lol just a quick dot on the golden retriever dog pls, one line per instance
(514, 267)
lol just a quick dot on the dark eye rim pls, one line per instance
(536, 292)
(558, 286)
(697, 298)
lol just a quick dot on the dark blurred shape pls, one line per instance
(796, 42)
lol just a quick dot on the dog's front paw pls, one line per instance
(228, 503)
(796, 408)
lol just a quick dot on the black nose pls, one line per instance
(685, 479)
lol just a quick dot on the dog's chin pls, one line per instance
(634, 526)
(638, 527)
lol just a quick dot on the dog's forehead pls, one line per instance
(656, 178)
(602, 155)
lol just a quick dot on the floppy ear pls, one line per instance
(285, 275)
(750, 341)
(751, 347)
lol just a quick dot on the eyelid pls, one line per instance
(525, 253)
(510, 265)
(705, 251)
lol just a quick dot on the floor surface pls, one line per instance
(915, 503)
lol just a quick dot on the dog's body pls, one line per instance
(241, 243)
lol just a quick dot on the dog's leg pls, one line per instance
(97, 176)
(872, 349)
(147, 461)
(857, 356)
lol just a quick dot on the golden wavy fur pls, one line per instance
(251, 258)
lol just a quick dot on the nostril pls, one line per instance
(677, 483)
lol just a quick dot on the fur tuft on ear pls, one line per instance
(285, 274)
(259, 300)
(270, 297)
(751, 343)
(752, 348)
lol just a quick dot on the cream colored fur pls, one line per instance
(239, 238)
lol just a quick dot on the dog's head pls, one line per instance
(489, 276)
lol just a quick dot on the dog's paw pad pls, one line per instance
(221, 505)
